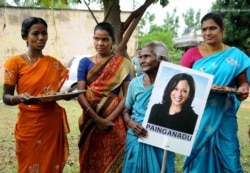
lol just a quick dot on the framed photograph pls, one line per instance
(175, 108)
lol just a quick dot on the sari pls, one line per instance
(140, 157)
(103, 151)
(40, 130)
(216, 147)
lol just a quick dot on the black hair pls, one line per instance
(27, 24)
(107, 27)
(215, 17)
(171, 86)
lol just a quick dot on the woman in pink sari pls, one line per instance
(216, 146)
(41, 127)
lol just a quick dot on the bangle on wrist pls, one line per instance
(108, 118)
(87, 109)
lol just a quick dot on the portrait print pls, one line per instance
(175, 111)
(175, 108)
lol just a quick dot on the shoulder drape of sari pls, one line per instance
(108, 75)
(216, 147)
(45, 76)
(40, 131)
(103, 151)
(140, 157)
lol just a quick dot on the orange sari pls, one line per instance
(103, 151)
(40, 131)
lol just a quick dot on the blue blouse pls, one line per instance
(85, 65)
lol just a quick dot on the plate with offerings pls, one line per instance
(58, 96)
(223, 89)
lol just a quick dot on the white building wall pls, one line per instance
(70, 32)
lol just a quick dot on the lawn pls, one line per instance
(7, 144)
(8, 118)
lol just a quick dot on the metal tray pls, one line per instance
(223, 89)
(59, 96)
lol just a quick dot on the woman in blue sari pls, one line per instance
(139, 157)
(216, 147)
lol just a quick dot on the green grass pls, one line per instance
(7, 144)
(244, 122)
(8, 116)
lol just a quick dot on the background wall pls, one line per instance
(70, 32)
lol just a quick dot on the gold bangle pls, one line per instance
(109, 119)
(88, 109)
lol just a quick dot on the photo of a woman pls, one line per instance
(175, 112)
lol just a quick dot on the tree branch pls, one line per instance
(91, 12)
(137, 13)
(130, 24)
(108, 11)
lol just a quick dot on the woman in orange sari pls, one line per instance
(41, 127)
(103, 130)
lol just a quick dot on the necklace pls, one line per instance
(30, 58)
(146, 81)
(206, 52)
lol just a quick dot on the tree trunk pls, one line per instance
(123, 30)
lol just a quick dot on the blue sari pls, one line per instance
(140, 157)
(216, 147)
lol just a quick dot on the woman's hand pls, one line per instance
(24, 98)
(137, 128)
(243, 92)
(31, 101)
(10, 99)
(105, 124)
(242, 86)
